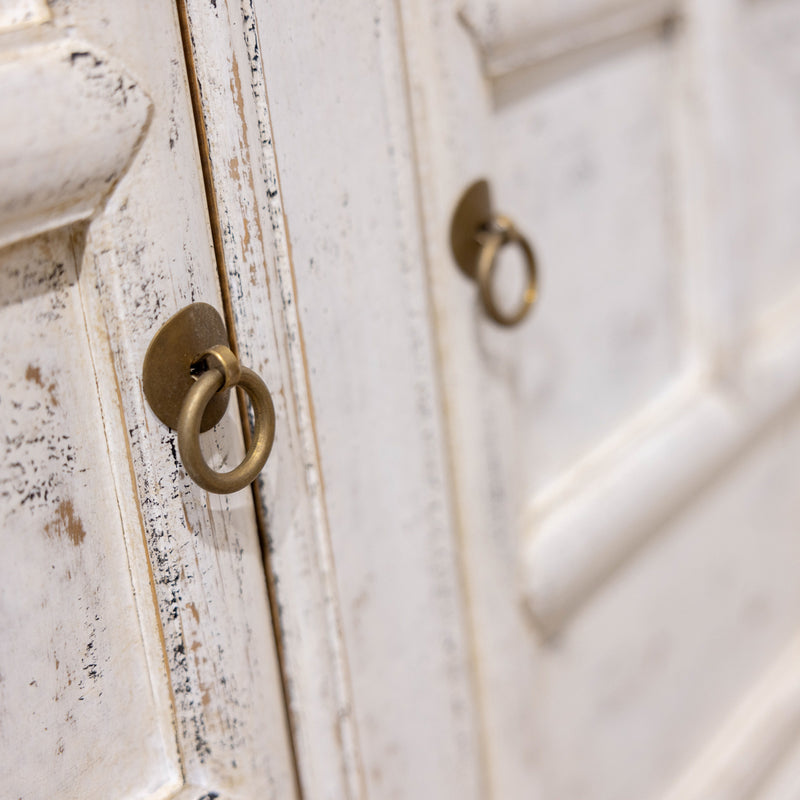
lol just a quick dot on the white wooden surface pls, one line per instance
(336, 94)
(16, 14)
(516, 34)
(138, 656)
(55, 169)
(226, 54)
(81, 660)
(487, 551)
(651, 399)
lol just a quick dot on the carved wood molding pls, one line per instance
(72, 121)
(587, 524)
(752, 742)
(518, 36)
(19, 14)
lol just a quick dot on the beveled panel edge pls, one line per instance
(532, 47)
(752, 741)
(580, 530)
(73, 121)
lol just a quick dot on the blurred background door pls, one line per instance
(625, 459)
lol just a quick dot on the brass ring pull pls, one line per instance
(224, 372)
(477, 234)
(500, 233)
(191, 341)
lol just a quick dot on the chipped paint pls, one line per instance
(66, 524)
(34, 374)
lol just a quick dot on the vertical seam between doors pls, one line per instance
(201, 139)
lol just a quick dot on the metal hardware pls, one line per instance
(187, 376)
(224, 370)
(477, 234)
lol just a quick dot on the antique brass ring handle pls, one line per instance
(187, 376)
(225, 372)
(477, 235)
(501, 232)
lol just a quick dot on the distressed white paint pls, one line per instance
(167, 584)
(654, 391)
(20, 13)
(72, 120)
(76, 666)
(227, 58)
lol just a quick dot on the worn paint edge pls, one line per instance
(140, 569)
(85, 203)
(448, 447)
(309, 437)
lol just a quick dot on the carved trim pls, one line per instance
(23, 13)
(583, 527)
(522, 45)
(72, 121)
(753, 740)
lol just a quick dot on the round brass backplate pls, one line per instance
(167, 371)
(473, 212)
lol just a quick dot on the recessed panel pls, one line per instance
(514, 34)
(79, 708)
(587, 165)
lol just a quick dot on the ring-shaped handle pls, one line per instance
(502, 232)
(194, 405)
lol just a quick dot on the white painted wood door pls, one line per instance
(361, 545)
(137, 657)
(626, 460)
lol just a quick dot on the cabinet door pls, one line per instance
(357, 506)
(138, 659)
(625, 459)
